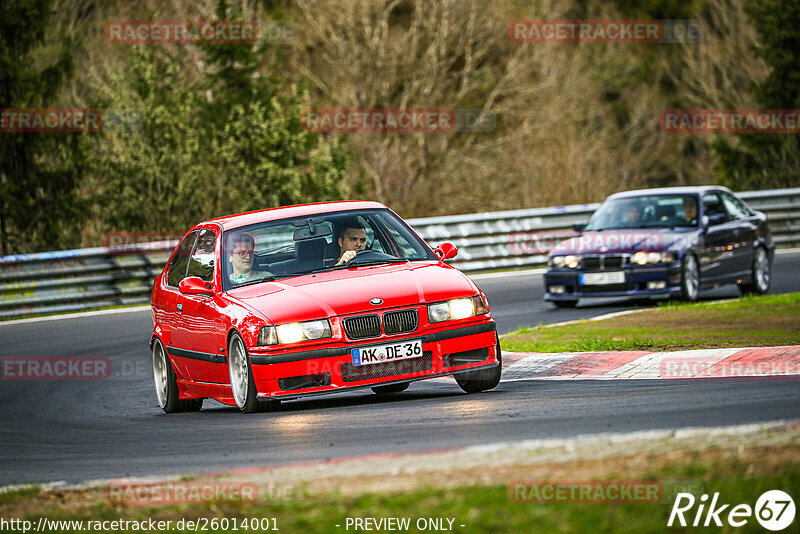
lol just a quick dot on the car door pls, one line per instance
(745, 229)
(716, 263)
(169, 307)
(202, 335)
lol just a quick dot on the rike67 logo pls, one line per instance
(774, 510)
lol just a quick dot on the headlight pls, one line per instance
(556, 261)
(572, 261)
(294, 332)
(457, 309)
(651, 258)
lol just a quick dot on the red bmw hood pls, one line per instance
(349, 291)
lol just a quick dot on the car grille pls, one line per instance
(604, 288)
(306, 381)
(398, 322)
(362, 326)
(610, 261)
(354, 373)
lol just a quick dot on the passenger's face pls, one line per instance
(242, 257)
(353, 239)
(690, 209)
(632, 213)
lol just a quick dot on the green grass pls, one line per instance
(18, 494)
(748, 321)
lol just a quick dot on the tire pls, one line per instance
(690, 278)
(243, 386)
(477, 381)
(565, 303)
(761, 275)
(391, 388)
(166, 384)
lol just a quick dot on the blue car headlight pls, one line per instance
(652, 258)
(570, 260)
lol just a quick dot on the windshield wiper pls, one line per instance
(251, 282)
(352, 263)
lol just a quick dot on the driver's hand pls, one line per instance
(347, 256)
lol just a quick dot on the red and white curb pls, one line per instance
(686, 364)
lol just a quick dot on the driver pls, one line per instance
(242, 248)
(632, 214)
(352, 239)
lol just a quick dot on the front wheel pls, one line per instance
(167, 384)
(477, 381)
(690, 278)
(243, 385)
(761, 276)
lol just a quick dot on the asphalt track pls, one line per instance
(75, 431)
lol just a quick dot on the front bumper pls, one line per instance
(330, 369)
(635, 284)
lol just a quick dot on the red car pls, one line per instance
(314, 299)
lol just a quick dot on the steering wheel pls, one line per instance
(361, 254)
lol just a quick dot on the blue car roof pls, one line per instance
(686, 190)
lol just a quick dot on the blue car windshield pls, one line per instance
(647, 211)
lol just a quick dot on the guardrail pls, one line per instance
(81, 279)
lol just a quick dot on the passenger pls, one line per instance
(242, 248)
(690, 209)
(352, 238)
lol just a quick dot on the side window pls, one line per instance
(180, 260)
(202, 261)
(735, 207)
(712, 204)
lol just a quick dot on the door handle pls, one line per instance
(180, 307)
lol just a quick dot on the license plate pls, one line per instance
(599, 279)
(402, 350)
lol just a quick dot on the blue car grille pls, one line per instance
(608, 261)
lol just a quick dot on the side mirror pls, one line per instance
(194, 285)
(445, 251)
(714, 219)
(579, 227)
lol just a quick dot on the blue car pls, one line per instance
(661, 243)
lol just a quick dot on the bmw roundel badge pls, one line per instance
(376, 301)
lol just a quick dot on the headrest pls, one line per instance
(310, 248)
